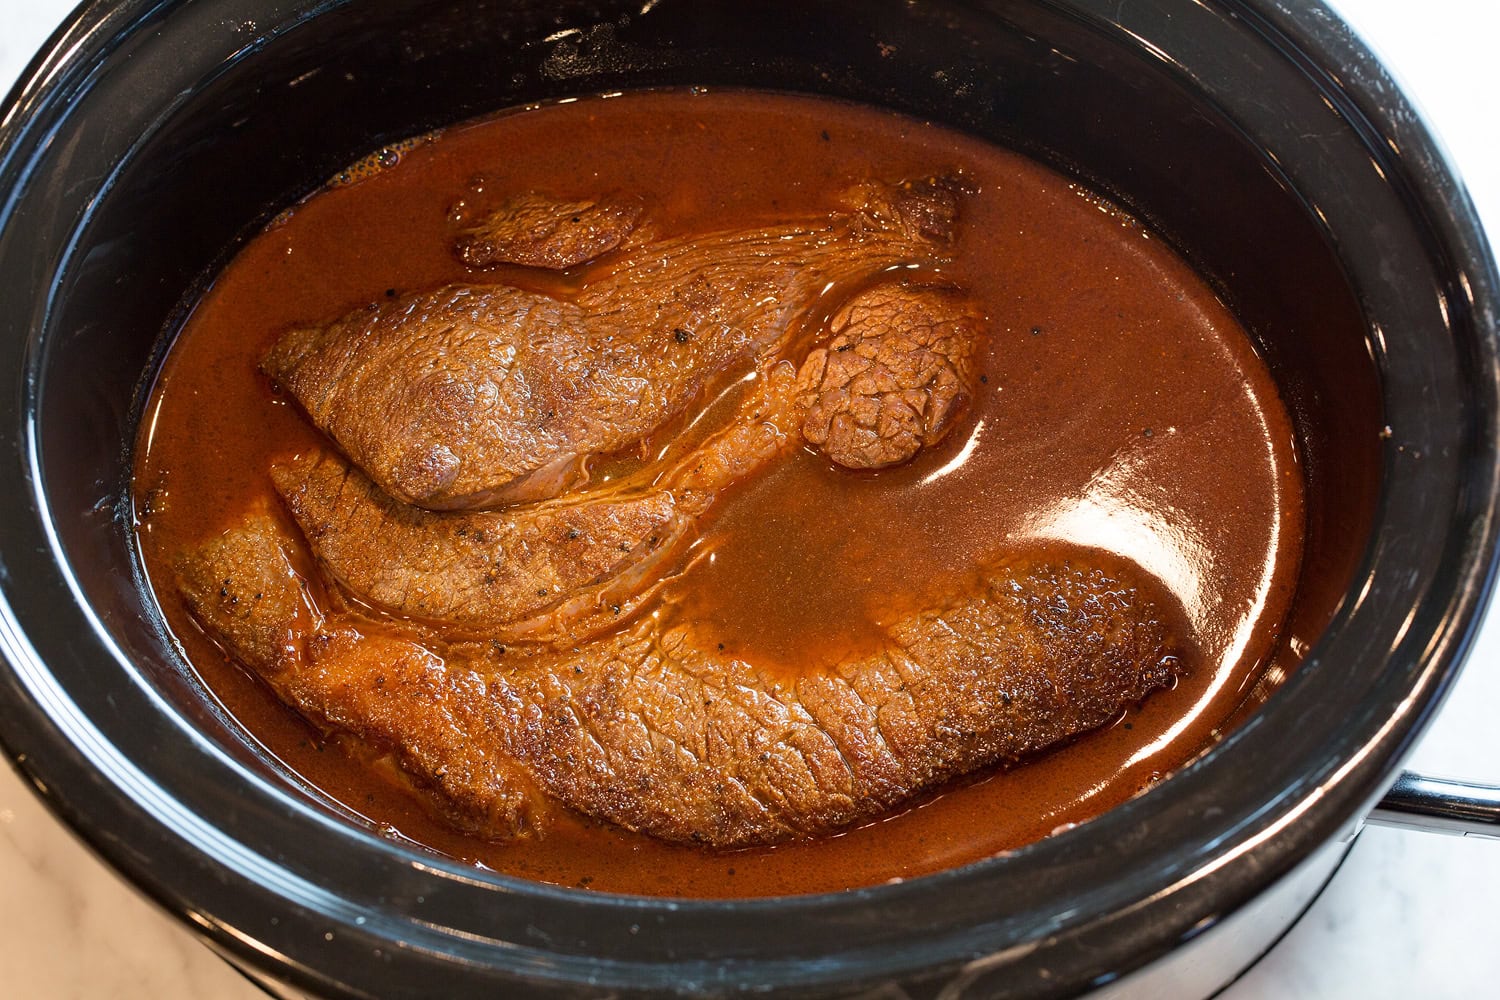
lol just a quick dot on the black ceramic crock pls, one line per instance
(153, 136)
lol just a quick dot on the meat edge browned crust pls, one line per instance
(648, 731)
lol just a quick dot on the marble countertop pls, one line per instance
(1408, 914)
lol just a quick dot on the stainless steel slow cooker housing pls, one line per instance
(152, 137)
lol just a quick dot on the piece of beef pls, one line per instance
(478, 395)
(535, 230)
(552, 570)
(245, 588)
(650, 730)
(479, 571)
(548, 570)
(897, 371)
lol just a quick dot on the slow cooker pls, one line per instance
(152, 137)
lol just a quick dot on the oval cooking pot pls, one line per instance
(152, 137)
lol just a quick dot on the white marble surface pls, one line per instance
(1409, 915)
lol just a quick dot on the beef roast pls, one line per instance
(497, 572)
(895, 374)
(524, 668)
(476, 395)
(551, 570)
(649, 729)
(534, 230)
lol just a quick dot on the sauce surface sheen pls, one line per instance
(1122, 412)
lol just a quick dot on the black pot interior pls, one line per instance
(200, 127)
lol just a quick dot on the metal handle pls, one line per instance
(1440, 805)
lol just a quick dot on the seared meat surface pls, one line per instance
(897, 371)
(544, 571)
(648, 729)
(547, 570)
(511, 659)
(480, 570)
(245, 588)
(534, 230)
(477, 395)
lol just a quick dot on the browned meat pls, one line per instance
(538, 231)
(648, 730)
(477, 395)
(480, 571)
(898, 369)
(245, 589)
(551, 570)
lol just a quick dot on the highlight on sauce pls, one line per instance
(718, 494)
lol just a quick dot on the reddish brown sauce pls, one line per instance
(1122, 409)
